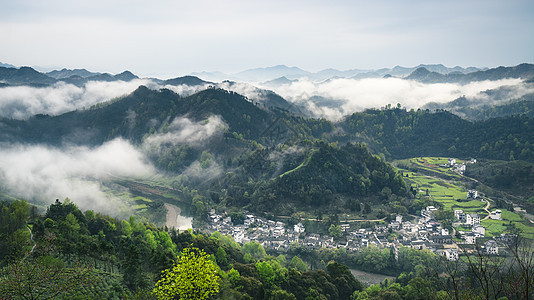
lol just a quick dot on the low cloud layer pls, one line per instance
(186, 90)
(338, 97)
(20, 102)
(185, 131)
(41, 174)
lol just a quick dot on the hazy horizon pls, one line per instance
(172, 38)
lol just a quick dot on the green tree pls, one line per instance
(43, 277)
(335, 231)
(266, 272)
(254, 249)
(194, 276)
(298, 263)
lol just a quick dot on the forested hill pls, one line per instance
(135, 115)
(399, 134)
(396, 133)
(524, 71)
(328, 176)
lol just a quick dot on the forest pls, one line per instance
(69, 254)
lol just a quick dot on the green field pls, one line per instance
(445, 187)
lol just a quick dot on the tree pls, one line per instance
(43, 277)
(194, 276)
(335, 231)
(298, 263)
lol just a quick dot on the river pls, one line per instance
(174, 219)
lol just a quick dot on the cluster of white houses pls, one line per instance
(458, 168)
(422, 233)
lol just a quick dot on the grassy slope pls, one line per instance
(451, 193)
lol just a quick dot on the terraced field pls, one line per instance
(448, 188)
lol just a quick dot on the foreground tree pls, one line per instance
(42, 278)
(194, 276)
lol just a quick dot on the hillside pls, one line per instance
(401, 134)
(523, 71)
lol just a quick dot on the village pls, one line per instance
(422, 232)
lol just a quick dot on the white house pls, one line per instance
(479, 230)
(460, 215)
(491, 247)
(472, 194)
(495, 215)
(472, 219)
(451, 254)
(299, 228)
(470, 238)
(452, 162)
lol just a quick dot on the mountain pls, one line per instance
(109, 120)
(24, 76)
(523, 71)
(6, 65)
(275, 75)
(212, 76)
(66, 73)
(269, 73)
(125, 76)
(186, 80)
(331, 178)
(278, 81)
(30, 76)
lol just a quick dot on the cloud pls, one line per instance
(338, 97)
(20, 102)
(186, 90)
(41, 174)
(185, 131)
(243, 88)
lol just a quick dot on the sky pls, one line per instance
(166, 39)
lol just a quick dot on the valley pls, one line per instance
(255, 179)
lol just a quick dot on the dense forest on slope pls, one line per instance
(96, 256)
(254, 155)
(68, 254)
(512, 180)
(400, 134)
(525, 71)
(329, 177)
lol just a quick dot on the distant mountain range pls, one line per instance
(6, 65)
(272, 74)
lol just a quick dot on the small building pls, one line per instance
(472, 194)
(460, 215)
(452, 162)
(491, 247)
(299, 228)
(495, 215)
(470, 238)
(479, 230)
(440, 239)
(472, 219)
(398, 219)
(451, 254)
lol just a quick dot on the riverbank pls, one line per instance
(174, 219)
